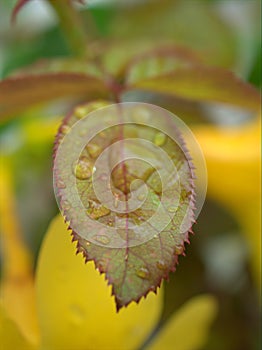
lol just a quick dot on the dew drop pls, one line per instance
(65, 129)
(66, 205)
(103, 239)
(179, 249)
(94, 150)
(143, 272)
(161, 265)
(83, 168)
(96, 211)
(102, 134)
(80, 112)
(172, 209)
(60, 184)
(141, 197)
(160, 139)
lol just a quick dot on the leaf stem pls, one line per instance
(72, 25)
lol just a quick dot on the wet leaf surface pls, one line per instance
(197, 83)
(135, 268)
(24, 91)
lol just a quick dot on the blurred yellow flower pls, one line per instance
(233, 159)
(74, 307)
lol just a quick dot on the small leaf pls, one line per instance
(199, 83)
(19, 93)
(159, 61)
(117, 55)
(61, 65)
(135, 268)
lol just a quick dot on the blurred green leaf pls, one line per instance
(255, 75)
(62, 65)
(192, 23)
(21, 53)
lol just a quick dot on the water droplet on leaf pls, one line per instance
(65, 129)
(96, 211)
(81, 112)
(141, 197)
(172, 209)
(83, 168)
(94, 150)
(143, 273)
(66, 205)
(160, 139)
(61, 184)
(103, 239)
(161, 265)
(179, 250)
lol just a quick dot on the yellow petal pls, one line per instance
(10, 336)
(17, 286)
(188, 328)
(37, 131)
(75, 308)
(233, 163)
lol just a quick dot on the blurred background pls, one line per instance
(222, 33)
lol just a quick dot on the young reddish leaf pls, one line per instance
(117, 55)
(19, 93)
(198, 83)
(132, 270)
(61, 65)
(159, 61)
